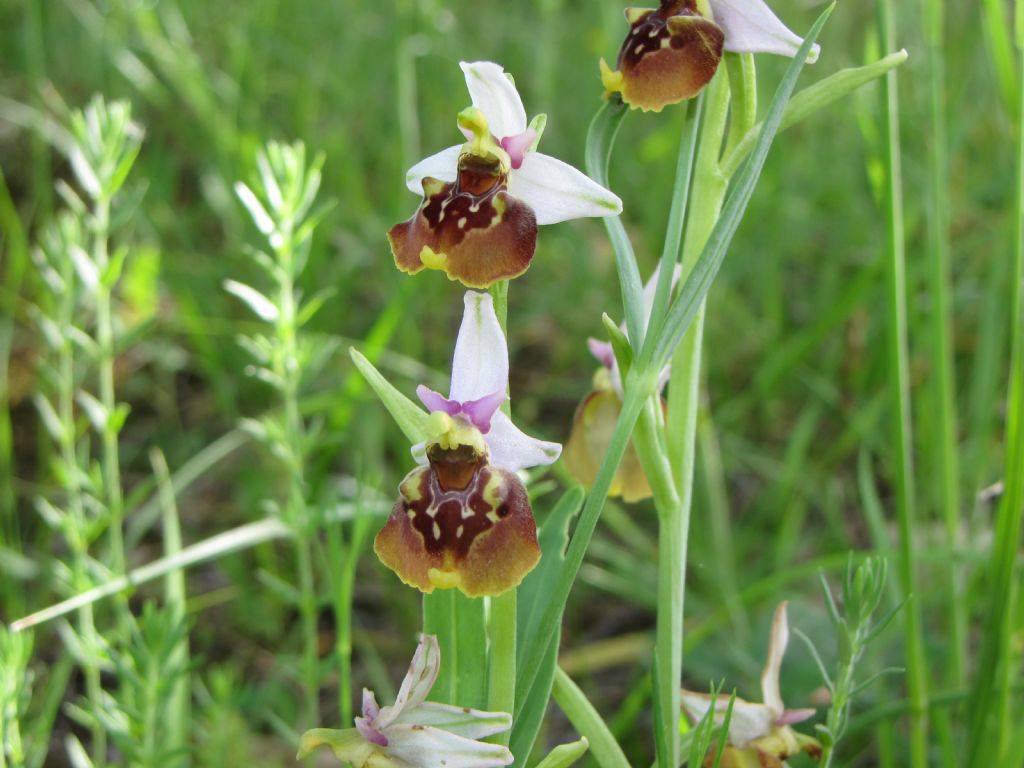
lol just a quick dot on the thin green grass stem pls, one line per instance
(178, 713)
(16, 261)
(943, 375)
(604, 749)
(899, 385)
(994, 675)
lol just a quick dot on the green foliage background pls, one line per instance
(795, 448)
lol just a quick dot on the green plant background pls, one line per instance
(795, 454)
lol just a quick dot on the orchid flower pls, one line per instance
(596, 416)
(673, 51)
(483, 200)
(759, 733)
(463, 518)
(414, 732)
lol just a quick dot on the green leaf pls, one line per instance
(581, 713)
(565, 754)
(600, 140)
(264, 308)
(620, 344)
(816, 97)
(532, 702)
(411, 419)
(112, 272)
(692, 294)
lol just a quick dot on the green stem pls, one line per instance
(992, 688)
(501, 629)
(942, 335)
(668, 647)
(76, 506)
(501, 626)
(900, 387)
(298, 513)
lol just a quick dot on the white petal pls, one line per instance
(444, 166)
(750, 26)
(426, 747)
(776, 650)
(470, 723)
(513, 450)
(747, 722)
(426, 663)
(558, 192)
(480, 364)
(494, 94)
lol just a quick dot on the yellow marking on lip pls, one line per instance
(444, 579)
(611, 79)
(433, 260)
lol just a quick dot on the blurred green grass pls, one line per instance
(795, 363)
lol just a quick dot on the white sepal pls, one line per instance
(514, 450)
(750, 26)
(426, 747)
(558, 192)
(480, 363)
(494, 94)
(444, 166)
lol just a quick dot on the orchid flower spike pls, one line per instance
(596, 416)
(463, 518)
(483, 200)
(414, 732)
(759, 734)
(673, 51)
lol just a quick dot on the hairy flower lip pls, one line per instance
(671, 52)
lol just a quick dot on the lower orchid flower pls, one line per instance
(463, 518)
(759, 734)
(673, 51)
(414, 732)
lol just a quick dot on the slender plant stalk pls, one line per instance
(110, 457)
(673, 520)
(16, 260)
(501, 625)
(299, 512)
(178, 715)
(943, 375)
(899, 383)
(684, 395)
(994, 676)
(75, 503)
